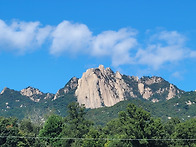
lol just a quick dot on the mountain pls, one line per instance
(22, 103)
(104, 93)
(100, 87)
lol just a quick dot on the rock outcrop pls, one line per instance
(173, 91)
(100, 87)
(4, 89)
(69, 87)
(35, 94)
(156, 89)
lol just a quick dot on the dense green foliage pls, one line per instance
(132, 127)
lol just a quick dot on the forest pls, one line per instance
(133, 127)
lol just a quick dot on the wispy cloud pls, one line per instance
(177, 75)
(122, 46)
(193, 54)
(164, 47)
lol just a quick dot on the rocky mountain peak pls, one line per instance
(35, 94)
(118, 75)
(101, 68)
(69, 87)
(151, 80)
(30, 91)
(100, 87)
(4, 89)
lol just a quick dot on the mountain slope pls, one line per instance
(24, 102)
(183, 107)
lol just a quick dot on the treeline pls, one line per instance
(133, 127)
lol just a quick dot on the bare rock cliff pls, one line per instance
(101, 87)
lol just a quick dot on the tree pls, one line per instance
(9, 132)
(29, 131)
(134, 128)
(51, 130)
(185, 134)
(94, 138)
(58, 131)
(169, 128)
(76, 125)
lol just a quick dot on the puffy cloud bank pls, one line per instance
(77, 38)
(121, 46)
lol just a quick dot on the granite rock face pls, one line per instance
(101, 87)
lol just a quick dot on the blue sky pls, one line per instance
(45, 43)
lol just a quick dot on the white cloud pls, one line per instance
(167, 47)
(105, 42)
(70, 37)
(115, 44)
(121, 53)
(42, 34)
(171, 37)
(21, 36)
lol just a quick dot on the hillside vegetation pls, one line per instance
(183, 107)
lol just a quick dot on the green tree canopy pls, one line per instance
(134, 127)
(51, 129)
(9, 132)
